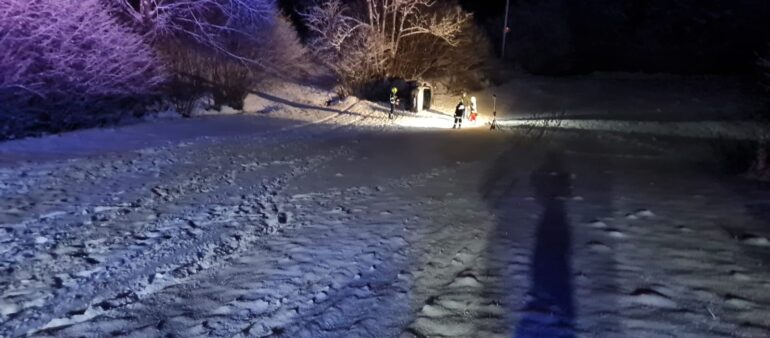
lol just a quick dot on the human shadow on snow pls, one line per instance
(550, 311)
(551, 302)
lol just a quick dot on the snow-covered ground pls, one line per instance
(337, 222)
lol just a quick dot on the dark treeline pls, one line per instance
(674, 36)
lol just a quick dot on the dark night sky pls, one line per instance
(484, 9)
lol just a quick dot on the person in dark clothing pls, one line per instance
(459, 114)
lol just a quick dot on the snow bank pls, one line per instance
(289, 100)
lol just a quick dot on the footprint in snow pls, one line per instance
(8, 309)
(597, 224)
(462, 259)
(641, 213)
(651, 297)
(337, 210)
(463, 256)
(283, 217)
(755, 240)
(404, 275)
(738, 302)
(615, 233)
(738, 275)
(597, 246)
(466, 280)
(439, 327)
(320, 297)
(434, 311)
(223, 310)
(644, 213)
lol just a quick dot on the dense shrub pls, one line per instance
(65, 64)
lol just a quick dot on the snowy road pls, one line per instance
(339, 230)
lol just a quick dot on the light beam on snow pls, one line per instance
(424, 122)
(697, 129)
(435, 122)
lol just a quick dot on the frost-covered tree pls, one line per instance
(59, 59)
(223, 26)
(223, 47)
(364, 40)
(200, 70)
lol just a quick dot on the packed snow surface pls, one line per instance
(334, 221)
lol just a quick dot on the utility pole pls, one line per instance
(494, 112)
(505, 28)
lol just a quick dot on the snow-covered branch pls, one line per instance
(331, 24)
(58, 49)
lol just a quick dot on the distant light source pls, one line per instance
(425, 122)
(437, 122)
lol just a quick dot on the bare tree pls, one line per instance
(362, 44)
(462, 66)
(396, 20)
(199, 19)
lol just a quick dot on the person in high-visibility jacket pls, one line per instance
(393, 101)
(474, 110)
